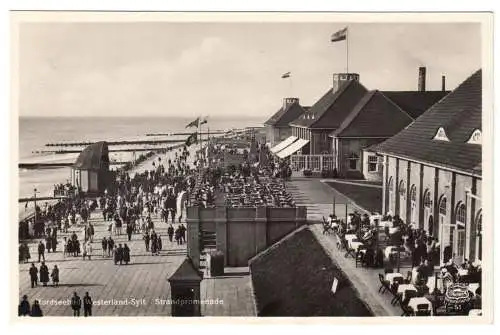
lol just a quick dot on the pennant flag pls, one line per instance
(193, 138)
(286, 75)
(193, 123)
(339, 35)
(204, 120)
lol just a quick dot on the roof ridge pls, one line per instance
(355, 112)
(336, 94)
(277, 243)
(397, 106)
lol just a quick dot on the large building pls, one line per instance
(432, 171)
(349, 118)
(278, 126)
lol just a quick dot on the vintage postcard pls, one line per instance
(252, 165)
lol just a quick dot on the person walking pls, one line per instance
(41, 251)
(183, 233)
(44, 274)
(24, 308)
(55, 276)
(146, 240)
(170, 232)
(33, 275)
(87, 305)
(104, 244)
(111, 246)
(36, 311)
(159, 243)
(126, 254)
(89, 249)
(76, 304)
(130, 230)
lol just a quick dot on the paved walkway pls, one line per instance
(316, 195)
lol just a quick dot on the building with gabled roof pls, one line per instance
(278, 126)
(433, 170)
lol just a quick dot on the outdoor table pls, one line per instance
(473, 287)
(414, 302)
(475, 312)
(355, 245)
(404, 287)
(463, 272)
(350, 237)
(393, 230)
(390, 276)
(389, 250)
(388, 224)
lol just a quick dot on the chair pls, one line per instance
(423, 310)
(384, 284)
(359, 258)
(408, 277)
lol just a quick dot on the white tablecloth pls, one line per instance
(404, 287)
(390, 250)
(431, 282)
(393, 230)
(355, 245)
(414, 302)
(475, 312)
(463, 272)
(350, 237)
(386, 224)
(390, 276)
(473, 287)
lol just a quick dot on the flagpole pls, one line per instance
(347, 49)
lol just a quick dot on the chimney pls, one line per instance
(443, 83)
(340, 79)
(288, 101)
(421, 79)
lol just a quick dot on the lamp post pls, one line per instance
(34, 200)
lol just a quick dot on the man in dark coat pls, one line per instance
(24, 307)
(154, 245)
(76, 304)
(104, 244)
(119, 254)
(130, 230)
(126, 254)
(41, 251)
(87, 305)
(183, 233)
(44, 274)
(111, 245)
(146, 241)
(170, 232)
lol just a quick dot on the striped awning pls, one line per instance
(292, 148)
(282, 145)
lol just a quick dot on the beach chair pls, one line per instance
(423, 310)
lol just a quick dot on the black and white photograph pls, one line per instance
(231, 165)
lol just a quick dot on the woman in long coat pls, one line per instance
(126, 254)
(55, 275)
(44, 274)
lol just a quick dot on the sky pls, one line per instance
(225, 69)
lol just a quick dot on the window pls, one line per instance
(353, 161)
(476, 137)
(402, 188)
(442, 206)
(427, 199)
(413, 193)
(461, 215)
(372, 163)
(441, 135)
(390, 185)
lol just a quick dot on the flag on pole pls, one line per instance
(339, 35)
(286, 75)
(193, 123)
(193, 138)
(204, 120)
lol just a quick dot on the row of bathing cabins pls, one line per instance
(424, 147)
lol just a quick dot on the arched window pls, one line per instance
(442, 206)
(402, 188)
(413, 193)
(461, 215)
(476, 137)
(390, 185)
(427, 199)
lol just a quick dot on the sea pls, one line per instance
(36, 132)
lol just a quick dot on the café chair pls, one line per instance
(384, 284)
